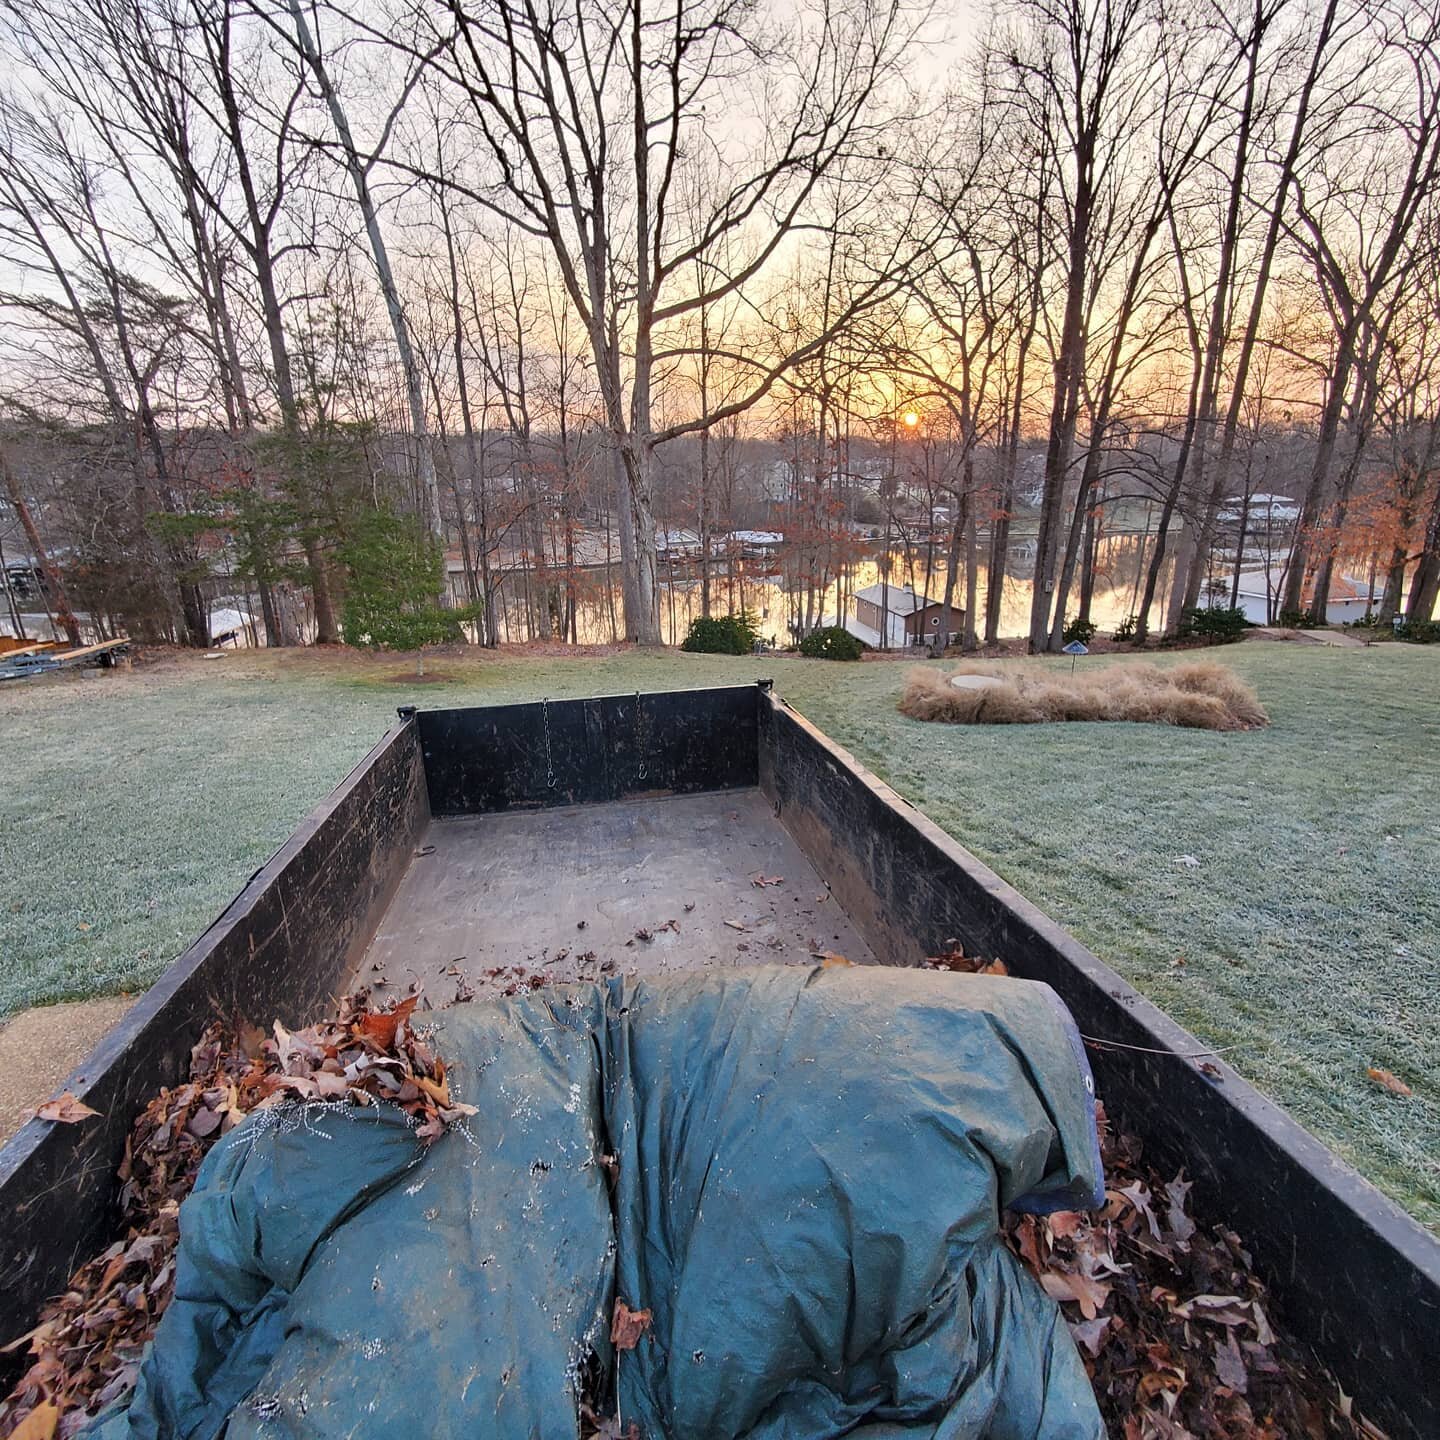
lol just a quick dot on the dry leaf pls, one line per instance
(1091, 1334)
(39, 1424)
(1393, 1083)
(1090, 1295)
(627, 1326)
(382, 1028)
(1230, 1365)
(1064, 1223)
(65, 1109)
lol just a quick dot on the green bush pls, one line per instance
(394, 573)
(1124, 632)
(832, 642)
(722, 634)
(1419, 632)
(1217, 624)
(1078, 629)
(1299, 620)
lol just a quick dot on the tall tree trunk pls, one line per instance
(1425, 582)
(359, 177)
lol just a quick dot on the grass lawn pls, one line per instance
(133, 807)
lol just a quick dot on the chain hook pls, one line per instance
(549, 760)
(641, 772)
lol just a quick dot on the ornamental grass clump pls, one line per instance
(1200, 695)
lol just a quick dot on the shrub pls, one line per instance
(1217, 624)
(1124, 632)
(1299, 620)
(1078, 629)
(394, 572)
(832, 642)
(1419, 632)
(722, 634)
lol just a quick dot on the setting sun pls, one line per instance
(911, 418)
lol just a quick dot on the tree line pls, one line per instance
(300, 296)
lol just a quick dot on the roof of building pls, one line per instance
(901, 600)
(1344, 588)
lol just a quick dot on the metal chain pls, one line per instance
(549, 762)
(640, 739)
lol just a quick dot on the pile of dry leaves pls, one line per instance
(1170, 1319)
(85, 1352)
(1166, 1311)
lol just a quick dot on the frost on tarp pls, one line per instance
(809, 1167)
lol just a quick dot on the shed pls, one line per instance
(907, 616)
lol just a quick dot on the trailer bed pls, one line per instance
(478, 839)
(574, 891)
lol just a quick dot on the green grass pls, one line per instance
(132, 809)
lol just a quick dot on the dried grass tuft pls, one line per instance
(1200, 695)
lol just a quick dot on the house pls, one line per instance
(754, 544)
(677, 545)
(1265, 512)
(232, 625)
(1261, 585)
(906, 617)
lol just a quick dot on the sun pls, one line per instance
(911, 419)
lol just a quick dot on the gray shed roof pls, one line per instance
(900, 600)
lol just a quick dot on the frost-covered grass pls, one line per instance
(132, 808)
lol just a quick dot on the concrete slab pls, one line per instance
(40, 1047)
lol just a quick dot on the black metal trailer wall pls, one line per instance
(280, 949)
(1356, 1276)
(580, 752)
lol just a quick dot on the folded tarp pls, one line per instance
(811, 1166)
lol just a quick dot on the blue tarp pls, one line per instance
(811, 1166)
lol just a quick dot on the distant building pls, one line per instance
(229, 625)
(754, 544)
(1264, 512)
(1261, 584)
(678, 545)
(907, 618)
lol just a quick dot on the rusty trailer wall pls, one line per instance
(281, 949)
(1355, 1276)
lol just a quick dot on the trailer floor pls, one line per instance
(573, 891)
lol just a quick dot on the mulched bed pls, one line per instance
(1176, 1331)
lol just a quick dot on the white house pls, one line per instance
(1260, 586)
(1265, 512)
